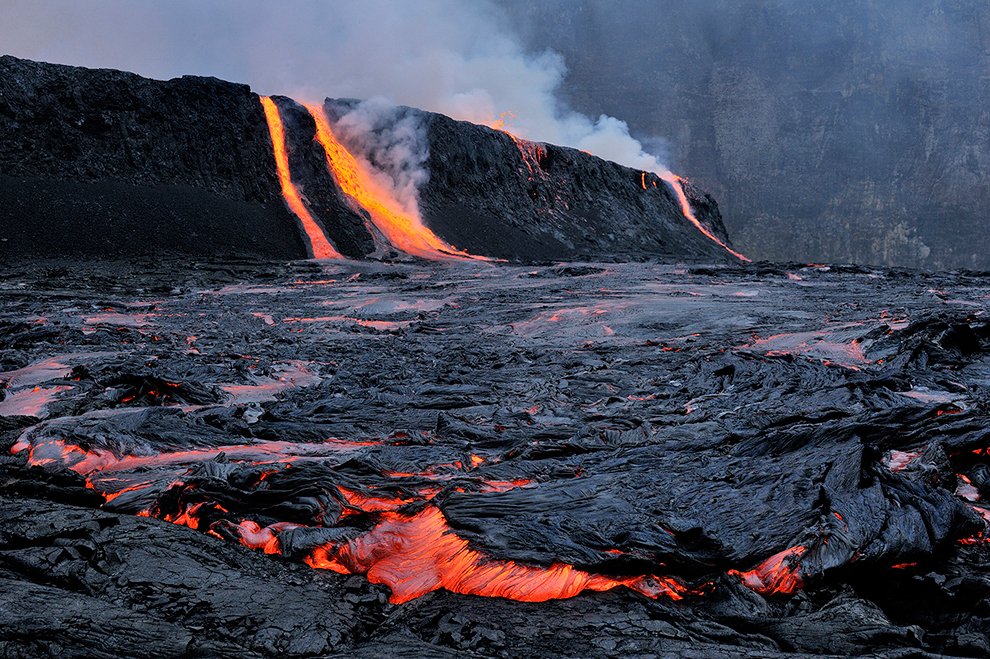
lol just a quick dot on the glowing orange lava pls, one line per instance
(777, 574)
(676, 183)
(403, 229)
(320, 246)
(412, 550)
(417, 554)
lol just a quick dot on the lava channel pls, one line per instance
(318, 243)
(403, 228)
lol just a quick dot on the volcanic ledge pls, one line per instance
(104, 163)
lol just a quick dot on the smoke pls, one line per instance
(460, 58)
(391, 147)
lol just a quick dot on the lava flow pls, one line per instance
(677, 185)
(531, 152)
(403, 229)
(777, 574)
(417, 554)
(319, 245)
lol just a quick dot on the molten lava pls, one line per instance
(403, 229)
(319, 245)
(676, 183)
(417, 554)
(777, 574)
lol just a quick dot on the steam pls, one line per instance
(460, 58)
(391, 146)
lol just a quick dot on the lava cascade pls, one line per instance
(677, 185)
(319, 245)
(404, 230)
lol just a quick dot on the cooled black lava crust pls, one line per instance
(683, 422)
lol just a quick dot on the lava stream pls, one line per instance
(416, 554)
(320, 246)
(675, 182)
(403, 229)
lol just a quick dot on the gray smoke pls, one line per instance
(460, 58)
(391, 147)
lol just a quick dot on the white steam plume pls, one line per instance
(457, 57)
(391, 146)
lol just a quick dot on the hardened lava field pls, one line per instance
(472, 458)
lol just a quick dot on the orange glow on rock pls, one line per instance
(417, 554)
(318, 242)
(403, 229)
(777, 574)
(676, 184)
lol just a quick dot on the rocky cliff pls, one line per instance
(108, 163)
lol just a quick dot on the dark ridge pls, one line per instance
(107, 163)
(554, 200)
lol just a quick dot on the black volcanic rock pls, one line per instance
(103, 162)
(484, 194)
(627, 419)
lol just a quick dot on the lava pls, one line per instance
(676, 183)
(531, 152)
(318, 242)
(777, 574)
(832, 346)
(98, 460)
(416, 554)
(403, 229)
(30, 402)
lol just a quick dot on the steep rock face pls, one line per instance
(491, 193)
(524, 199)
(104, 162)
(108, 163)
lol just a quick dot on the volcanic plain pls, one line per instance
(243, 458)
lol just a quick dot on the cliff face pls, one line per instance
(109, 163)
(851, 131)
(490, 193)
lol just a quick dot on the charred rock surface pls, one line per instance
(746, 462)
(491, 193)
(104, 163)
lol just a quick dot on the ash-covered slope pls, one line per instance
(103, 162)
